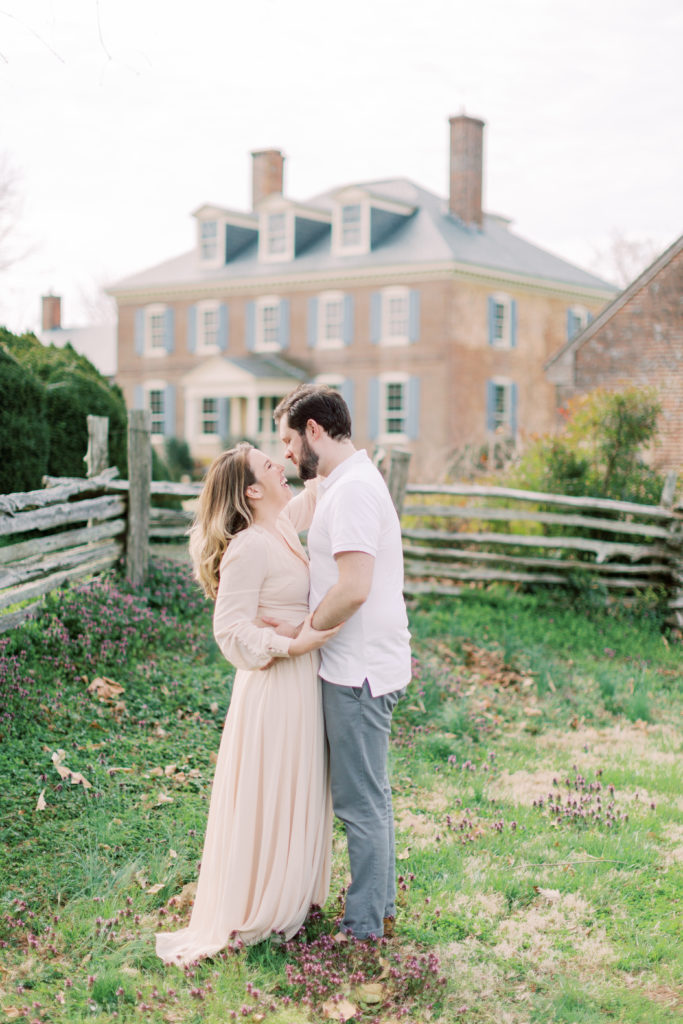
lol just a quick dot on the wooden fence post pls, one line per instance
(97, 456)
(397, 477)
(139, 477)
(675, 545)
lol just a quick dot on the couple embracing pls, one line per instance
(322, 655)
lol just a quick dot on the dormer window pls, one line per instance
(276, 238)
(351, 225)
(276, 234)
(208, 240)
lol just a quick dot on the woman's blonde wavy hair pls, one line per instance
(223, 512)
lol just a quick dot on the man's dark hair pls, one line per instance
(316, 402)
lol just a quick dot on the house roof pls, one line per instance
(570, 347)
(97, 342)
(431, 234)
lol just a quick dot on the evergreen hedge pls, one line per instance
(24, 432)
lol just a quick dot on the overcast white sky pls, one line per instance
(120, 117)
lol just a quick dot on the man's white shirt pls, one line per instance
(354, 512)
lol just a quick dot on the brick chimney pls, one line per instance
(51, 312)
(267, 174)
(466, 168)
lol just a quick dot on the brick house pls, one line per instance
(432, 317)
(636, 340)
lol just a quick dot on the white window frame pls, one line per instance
(387, 336)
(384, 413)
(151, 387)
(157, 309)
(331, 380)
(363, 243)
(260, 343)
(266, 254)
(582, 314)
(207, 435)
(207, 306)
(267, 436)
(208, 246)
(325, 302)
(505, 340)
(505, 384)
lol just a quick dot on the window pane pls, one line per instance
(156, 330)
(266, 407)
(500, 410)
(333, 320)
(270, 321)
(394, 408)
(351, 225)
(499, 324)
(398, 316)
(209, 239)
(210, 327)
(209, 415)
(277, 240)
(156, 410)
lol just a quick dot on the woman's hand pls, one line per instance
(281, 628)
(310, 639)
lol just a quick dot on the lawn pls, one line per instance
(536, 772)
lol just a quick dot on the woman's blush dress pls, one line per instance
(268, 840)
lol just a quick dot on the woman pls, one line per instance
(267, 849)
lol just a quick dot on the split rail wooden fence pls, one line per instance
(454, 535)
(468, 535)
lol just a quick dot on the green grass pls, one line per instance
(525, 914)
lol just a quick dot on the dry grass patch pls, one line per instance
(674, 833)
(534, 932)
(636, 740)
(522, 787)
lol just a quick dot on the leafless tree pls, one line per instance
(11, 250)
(622, 259)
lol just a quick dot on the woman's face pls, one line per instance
(270, 476)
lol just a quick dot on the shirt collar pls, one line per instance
(324, 482)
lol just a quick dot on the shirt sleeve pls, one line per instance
(242, 572)
(300, 509)
(355, 519)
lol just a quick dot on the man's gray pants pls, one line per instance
(358, 726)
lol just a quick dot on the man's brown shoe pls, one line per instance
(389, 927)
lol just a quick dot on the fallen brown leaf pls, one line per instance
(370, 993)
(106, 689)
(342, 1010)
(157, 887)
(41, 805)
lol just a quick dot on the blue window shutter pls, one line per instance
(283, 334)
(414, 316)
(373, 409)
(348, 320)
(571, 324)
(139, 333)
(589, 318)
(138, 397)
(169, 411)
(492, 320)
(513, 409)
(346, 391)
(513, 323)
(169, 339)
(375, 317)
(223, 326)
(192, 329)
(312, 327)
(251, 326)
(224, 418)
(413, 416)
(490, 406)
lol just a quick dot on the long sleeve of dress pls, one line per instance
(242, 572)
(299, 511)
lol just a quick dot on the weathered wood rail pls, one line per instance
(543, 539)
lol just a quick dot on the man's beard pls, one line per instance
(308, 461)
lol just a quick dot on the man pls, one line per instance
(356, 558)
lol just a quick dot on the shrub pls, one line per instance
(24, 438)
(75, 389)
(600, 452)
